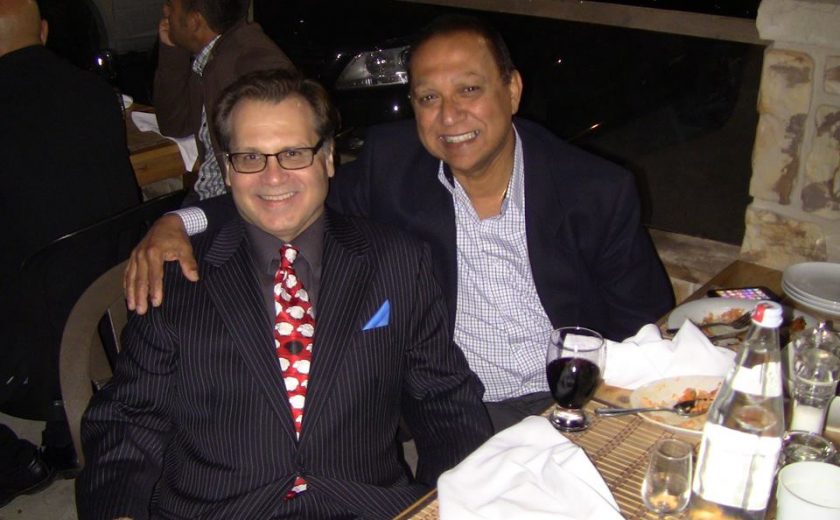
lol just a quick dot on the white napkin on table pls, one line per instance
(647, 357)
(147, 122)
(528, 471)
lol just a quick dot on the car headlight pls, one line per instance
(376, 68)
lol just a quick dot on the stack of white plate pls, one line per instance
(815, 285)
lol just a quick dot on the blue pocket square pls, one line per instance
(380, 319)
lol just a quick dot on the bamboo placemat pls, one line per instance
(617, 446)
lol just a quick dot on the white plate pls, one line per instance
(794, 292)
(666, 392)
(829, 309)
(698, 310)
(820, 280)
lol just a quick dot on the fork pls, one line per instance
(738, 323)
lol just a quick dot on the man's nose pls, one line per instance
(450, 110)
(273, 172)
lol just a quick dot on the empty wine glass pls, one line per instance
(574, 363)
(667, 485)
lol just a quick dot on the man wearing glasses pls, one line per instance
(274, 386)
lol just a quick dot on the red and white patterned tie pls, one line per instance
(294, 327)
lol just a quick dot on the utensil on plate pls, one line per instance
(738, 325)
(740, 322)
(685, 408)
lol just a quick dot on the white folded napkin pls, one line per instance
(127, 101)
(147, 122)
(647, 357)
(529, 470)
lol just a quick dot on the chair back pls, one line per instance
(96, 320)
(50, 283)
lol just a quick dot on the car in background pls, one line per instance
(114, 38)
(128, 25)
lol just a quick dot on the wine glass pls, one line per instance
(667, 485)
(574, 362)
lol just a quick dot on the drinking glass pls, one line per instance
(822, 337)
(667, 485)
(574, 363)
(815, 377)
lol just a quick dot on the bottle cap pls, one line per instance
(767, 314)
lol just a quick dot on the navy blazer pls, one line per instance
(592, 261)
(196, 420)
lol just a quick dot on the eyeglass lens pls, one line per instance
(253, 162)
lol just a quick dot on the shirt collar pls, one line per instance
(266, 247)
(203, 56)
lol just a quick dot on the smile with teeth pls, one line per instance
(460, 138)
(277, 198)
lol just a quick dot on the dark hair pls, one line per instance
(455, 23)
(220, 15)
(274, 86)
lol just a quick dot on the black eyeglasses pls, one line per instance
(290, 159)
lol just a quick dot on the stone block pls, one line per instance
(813, 22)
(776, 241)
(831, 77)
(776, 157)
(821, 189)
(786, 81)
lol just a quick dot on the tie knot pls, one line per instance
(288, 254)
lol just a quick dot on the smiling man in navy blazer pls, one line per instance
(197, 423)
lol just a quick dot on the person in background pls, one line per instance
(527, 232)
(274, 387)
(63, 165)
(205, 45)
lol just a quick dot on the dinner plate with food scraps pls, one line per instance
(713, 310)
(669, 391)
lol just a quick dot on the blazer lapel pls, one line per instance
(346, 274)
(234, 290)
(431, 217)
(547, 202)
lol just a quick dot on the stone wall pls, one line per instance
(795, 213)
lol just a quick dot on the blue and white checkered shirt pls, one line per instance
(499, 323)
(210, 182)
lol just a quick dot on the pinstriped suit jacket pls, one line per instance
(196, 424)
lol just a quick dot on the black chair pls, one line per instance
(51, 281)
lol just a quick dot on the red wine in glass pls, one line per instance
(574, 362)
(572, 381)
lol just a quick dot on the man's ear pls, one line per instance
(515, 87)
(195, 21)
(45, 29)
(226, 166)
(329, 149)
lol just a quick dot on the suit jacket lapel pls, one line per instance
(346, 274)
(430, 215)
(234, 290)
(547, 202)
